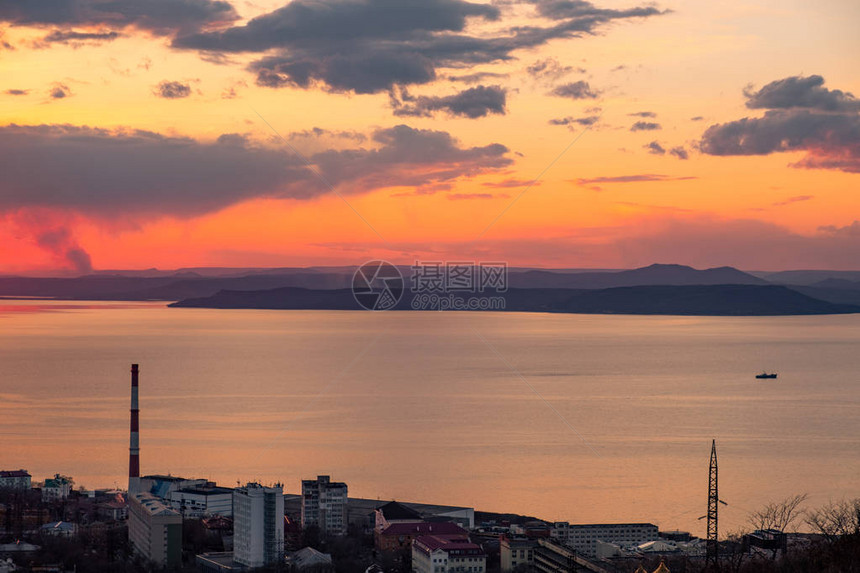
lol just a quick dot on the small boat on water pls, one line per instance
(764, 375)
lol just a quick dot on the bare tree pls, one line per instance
(779, 515)
(835, 519)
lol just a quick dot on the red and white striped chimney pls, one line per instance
(134, 445)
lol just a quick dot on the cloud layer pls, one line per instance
(159, 17)
(801, 115)
(473, 103)
(132, 173)
(368, 46)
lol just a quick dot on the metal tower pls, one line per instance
(713, 505)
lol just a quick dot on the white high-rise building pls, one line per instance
(258, 525)
(324, 504)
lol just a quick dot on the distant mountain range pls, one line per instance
(706, 300)
(655, 289)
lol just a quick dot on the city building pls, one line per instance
(447, 554)
(162, 486)
(400, 535)
(560, 532)
(324, 504)
(17, 479)
(258, 525)
(202, 501)
(584, 538)
(393, 512)
(59, 529)
(515, 552)
(155, 530)
(552, 557)
(56, 488)
(309, 559)
(216, 562)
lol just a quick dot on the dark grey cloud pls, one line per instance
(551, 69)
(679, 152)
(160, 17)
(319, 133)
(575, 90)
(645, 126)
(831, 140)
(473, 103)
(74, 37)
(368, 46)
(581, 9)
(655, 148)
(477, 77)
(852, 230)
(16, 92)
(511, 182)
(468, 196)
(801, 92)
(646, 177)
(172, 90)
(697, 118)
(59, 91)
(643, 114)
(139, 173)
(570, 121)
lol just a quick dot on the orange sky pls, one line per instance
(603, 199)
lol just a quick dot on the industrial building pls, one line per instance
(202, 501)
(583, 538)
(324, 504)
(258, 525)
(155, 530)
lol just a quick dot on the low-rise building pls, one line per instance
(155, 530)
(400, 535)
(552, 557)
(447, 554)
(59, 529)
(56, 488)
(515, 552)
(16, 479)
(393, 512)
(203, 501)
(584, 538)
(310, 560)
(113, 509)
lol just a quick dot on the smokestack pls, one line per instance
(134, 444)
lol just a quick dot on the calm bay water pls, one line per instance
(426, 406)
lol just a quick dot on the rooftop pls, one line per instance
(152, 504)
(13, 473)
(394, 510)
(416, 529)
(214, 490)
(459, 544)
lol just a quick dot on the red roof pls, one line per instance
(422, 528)
(451, 544)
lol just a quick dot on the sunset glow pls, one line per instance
(545, 133)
